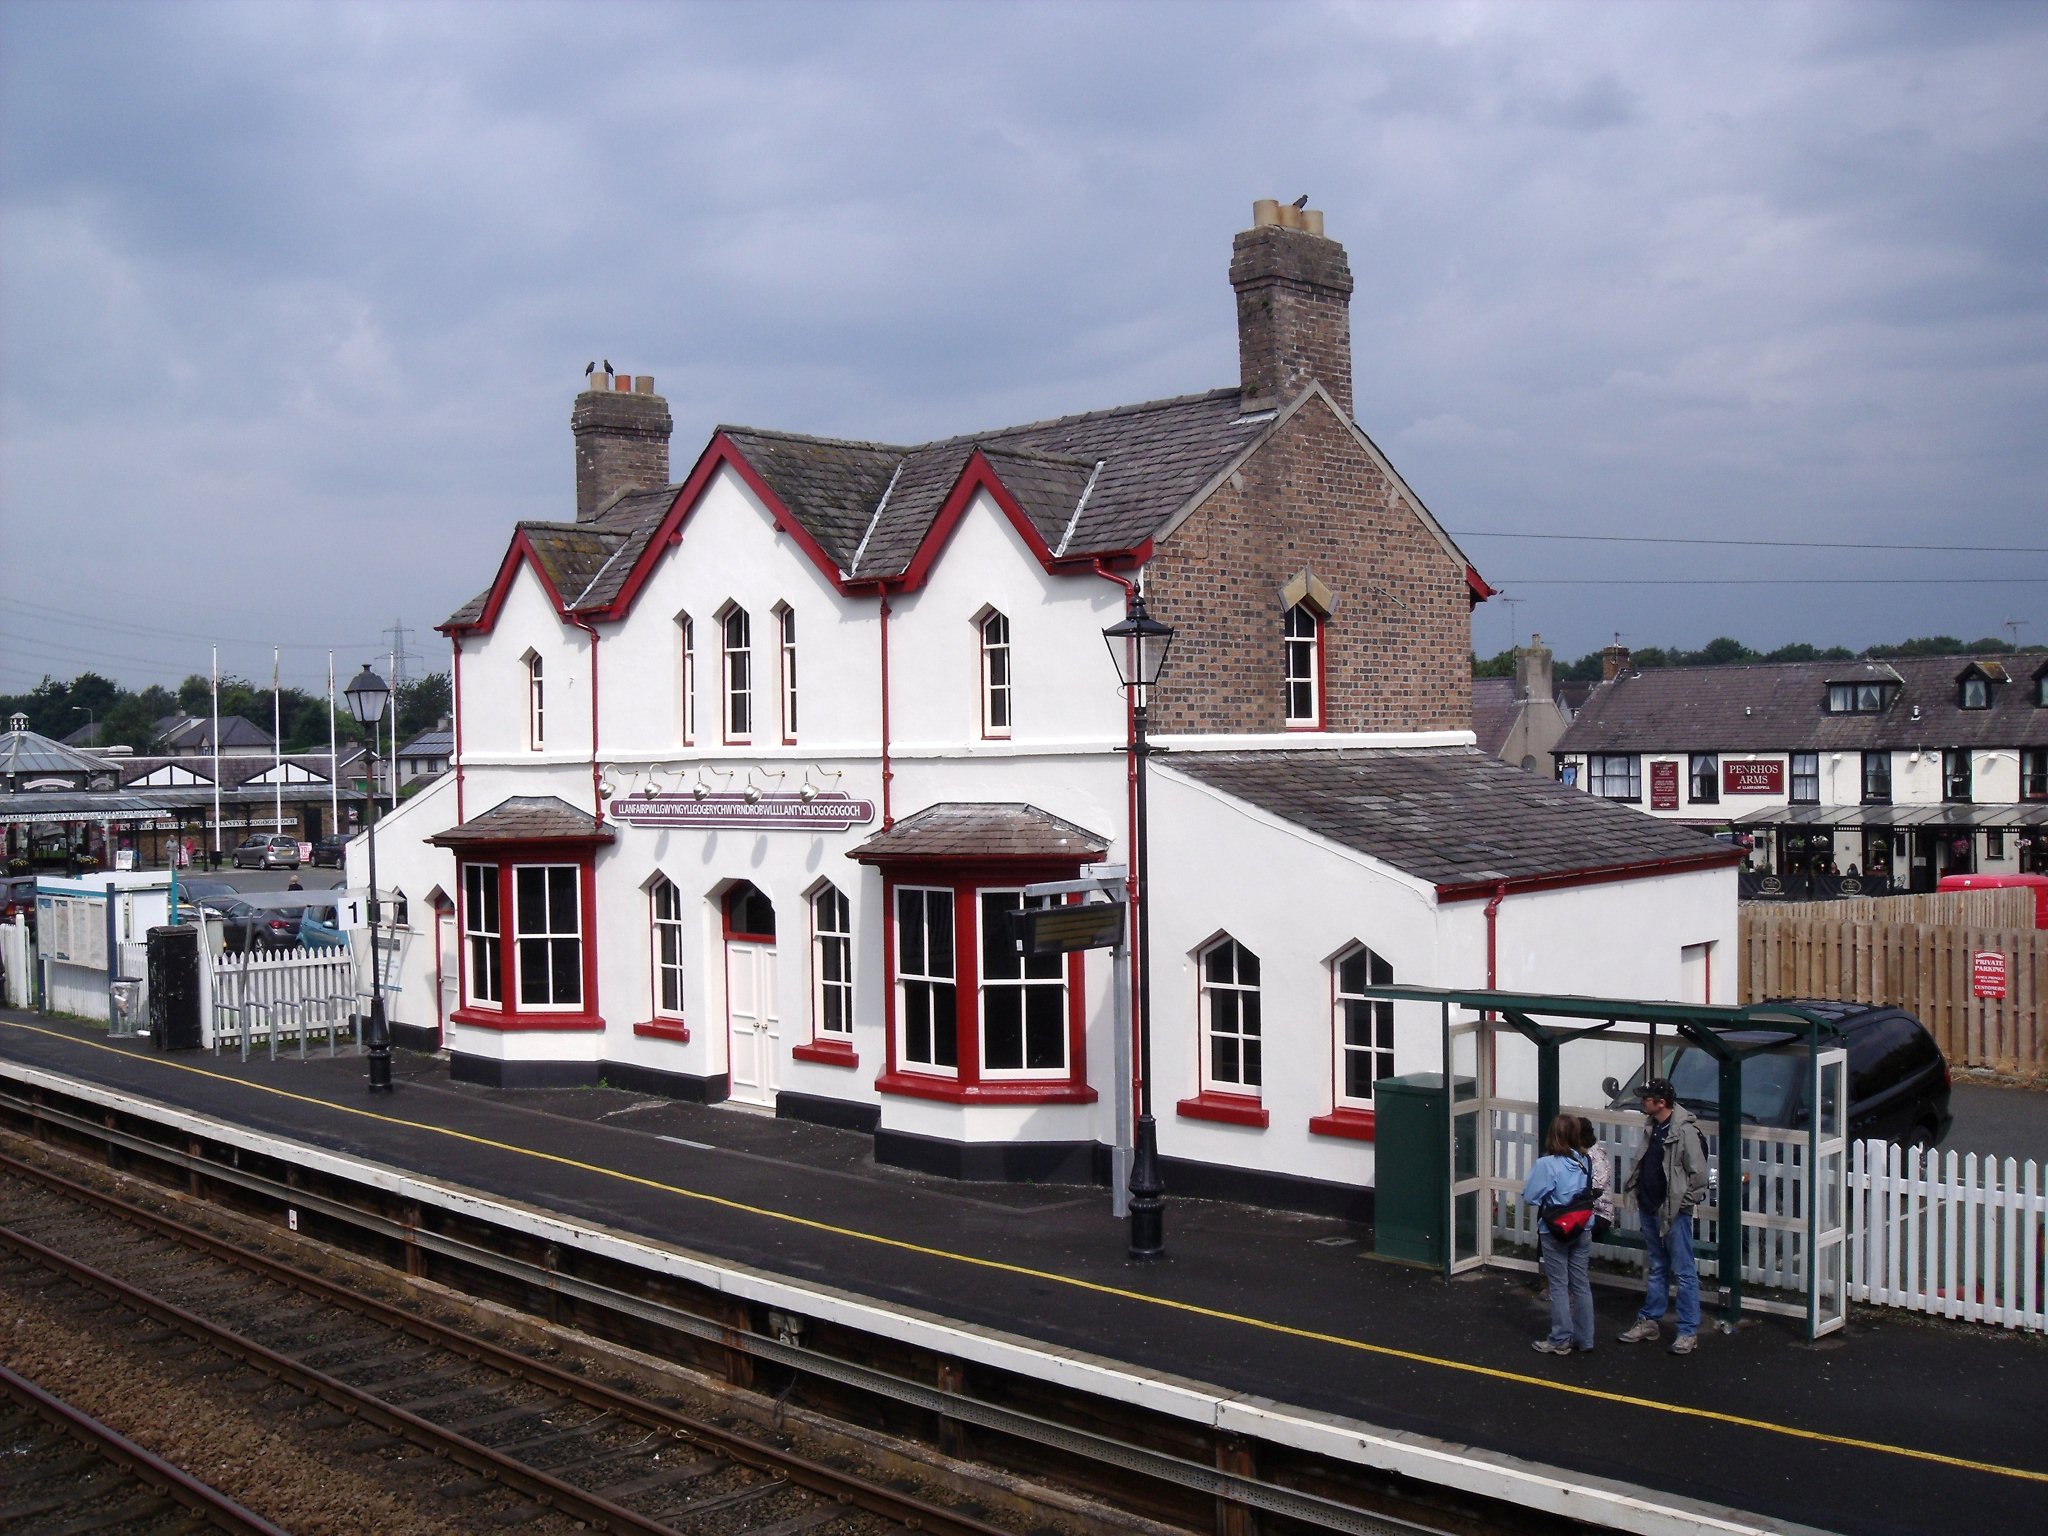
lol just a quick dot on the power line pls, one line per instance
(1639, 538)
(74, 618)
(1780, 581)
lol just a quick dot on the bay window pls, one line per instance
(547, 936)
(927, 989)
(1023, 997)
(481, 934)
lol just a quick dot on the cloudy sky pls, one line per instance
(296, 298)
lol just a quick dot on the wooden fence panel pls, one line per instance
(1928, 970)
(1998, 907)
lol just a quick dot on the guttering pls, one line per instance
(596, 773)
(1496, 888)
(1500, 894)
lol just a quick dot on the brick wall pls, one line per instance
(621, 444)
(1397, 649)
(1293, 314)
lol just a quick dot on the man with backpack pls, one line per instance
(1669, 1184)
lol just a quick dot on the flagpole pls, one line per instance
(333, 759)
(216, 754)
(276, 749)
(391, 671)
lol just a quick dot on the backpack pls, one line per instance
(1566, 1219)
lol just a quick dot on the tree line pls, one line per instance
(1725, 652)
(130, 719)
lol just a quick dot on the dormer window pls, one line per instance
(2041, 689)
(1973, 693)
(1860, 698)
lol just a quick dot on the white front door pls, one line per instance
(751, 1033)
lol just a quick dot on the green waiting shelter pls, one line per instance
(1453, 1150)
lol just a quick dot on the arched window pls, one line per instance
(1232, 1047)
(665, 912)
(785, 625)
(831, 966)
(1364, 1026)
(738, 633)
(995, 675)
(536, 712)
(686, 651)
(1304, 664)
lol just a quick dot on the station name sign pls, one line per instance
(1754, 776)
(833, 812)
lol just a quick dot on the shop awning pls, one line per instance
(50, 806)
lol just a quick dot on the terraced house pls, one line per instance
(750, 768)
(1910, 768)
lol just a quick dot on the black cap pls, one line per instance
(1658, 1088)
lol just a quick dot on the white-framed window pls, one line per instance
(1955, 773)
(665, 919)
(1974, 693)
(831, 965)
(1304, 664)
(482, 933)
(737, 633)
(686, 667)
(785, 641)
(1805, 778)
(1859, 698)
(1023, 998)
(1364, 1026)
(927, 997)
(1705, 775)
(1232, 1046)
(1877, 778)
(1615, 775)
(547, 936)
(536, 703)
(995, 675)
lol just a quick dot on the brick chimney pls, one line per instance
(1613, 661)
(622, 429)
(1533, 676)
(1293, 306)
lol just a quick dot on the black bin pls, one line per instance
(174, 989)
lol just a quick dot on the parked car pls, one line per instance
(267, 850)
(246, 926)
(205, 889)
(328, 852)
(18, 894)
(1898, 1079)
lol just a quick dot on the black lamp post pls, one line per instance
(1138, 644)
(367, 697)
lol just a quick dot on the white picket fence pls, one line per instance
(1950, 1234)
(1946, 1233)
(286, 997)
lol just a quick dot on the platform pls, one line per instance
(1894, 1425)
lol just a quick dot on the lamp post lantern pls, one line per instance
(367, 697)
(1138, 644)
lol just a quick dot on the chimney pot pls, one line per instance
(1265, 211)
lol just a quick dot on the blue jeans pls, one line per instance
(1670, 1255)
(1571, 1287)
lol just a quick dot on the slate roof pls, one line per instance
(1494, 707)
(1450, 815)
(234, 771)
(192, 733)
(434, 743)
(1097, 483)
(977, 830)
(526, 819)
(1782, 706)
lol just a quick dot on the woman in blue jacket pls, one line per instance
(1559, 1177)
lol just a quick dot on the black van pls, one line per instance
(1898, 1080)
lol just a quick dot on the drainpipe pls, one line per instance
(458, 728)
(596, 774)
(1500, 894)
(888, 773)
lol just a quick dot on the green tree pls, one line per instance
(423, 701)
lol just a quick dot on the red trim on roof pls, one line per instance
(520, 549)
(978, 474)
(720, 453)
(1478, 890)
(1476, 584)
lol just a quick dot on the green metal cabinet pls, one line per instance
(1411, 1185)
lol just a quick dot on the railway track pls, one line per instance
(450, 1418)
(65, 1469)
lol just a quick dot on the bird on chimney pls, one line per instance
(608, 368)
(1301, 201)
(589, 368)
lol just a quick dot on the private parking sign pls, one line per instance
(1987, 973)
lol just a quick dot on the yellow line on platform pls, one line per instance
(1096, 1287)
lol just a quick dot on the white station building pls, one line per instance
(750, 768)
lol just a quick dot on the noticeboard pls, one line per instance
(1061, 930)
